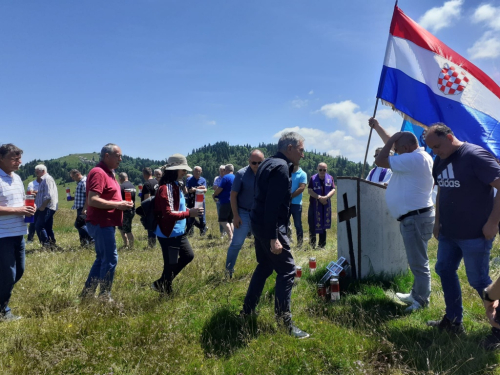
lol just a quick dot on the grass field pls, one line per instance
(197, 329)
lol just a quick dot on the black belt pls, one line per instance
(244, 209)
(416, 212)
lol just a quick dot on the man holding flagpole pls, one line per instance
(409, 199)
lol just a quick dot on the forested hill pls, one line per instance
(209, 157)
(212, 156)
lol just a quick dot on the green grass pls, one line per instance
(197, 329)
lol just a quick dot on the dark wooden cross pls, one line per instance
(346, 215)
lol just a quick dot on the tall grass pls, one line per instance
(197, 329)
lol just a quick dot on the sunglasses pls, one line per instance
(375, 155)
(256, 162)
(322, 170)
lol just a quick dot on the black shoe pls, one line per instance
(447, 325)
(86, 294)
(9, 317)
(161, 288)
(492, 341)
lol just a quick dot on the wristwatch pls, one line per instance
(486, 296)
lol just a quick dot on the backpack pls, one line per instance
(147, 213)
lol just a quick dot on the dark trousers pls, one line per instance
(322, 239)
(85, 237)
(268, 262)
(177, 254)
(31, 230)
(11, 268)
(296, 214)
(151, 238)
(44, 220)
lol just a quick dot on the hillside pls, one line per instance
(209, 157)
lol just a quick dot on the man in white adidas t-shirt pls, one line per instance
(409, 199)
(12, 226)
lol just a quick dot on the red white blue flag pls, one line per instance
(428, 82)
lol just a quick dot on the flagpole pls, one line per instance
(369, 138)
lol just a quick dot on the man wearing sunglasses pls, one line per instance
(378, 174)
(241, 204)
(321, 189)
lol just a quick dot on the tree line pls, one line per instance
(209, 157)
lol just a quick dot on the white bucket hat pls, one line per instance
(177, 161)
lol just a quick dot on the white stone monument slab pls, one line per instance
(367, 235)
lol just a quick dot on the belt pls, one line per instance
(244, 209)
(416, 212)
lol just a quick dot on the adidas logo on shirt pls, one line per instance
(447, 178)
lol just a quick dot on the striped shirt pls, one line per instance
(80, 194)
(11, 195)
(47, 190)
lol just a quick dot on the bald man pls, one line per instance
(409, 199)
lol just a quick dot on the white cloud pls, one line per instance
(440, 17)
(487, 47)
(311, 92)
(299, 103)
(211, 122)
(489, 15)
(350, 130)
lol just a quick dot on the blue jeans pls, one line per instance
(103, 269)
(43, 225)
(296, 214)
(416, 231)
(239, 236)
(85, 237)
(268, 262)
(476, 255)
(12, 259)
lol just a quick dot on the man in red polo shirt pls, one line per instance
(104, 213)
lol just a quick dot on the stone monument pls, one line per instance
(367, 235)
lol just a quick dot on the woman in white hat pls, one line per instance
(171, 214)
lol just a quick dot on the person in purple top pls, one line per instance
(321, 189)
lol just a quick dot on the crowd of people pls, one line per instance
(260, 200)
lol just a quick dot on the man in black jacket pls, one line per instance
(269, 218)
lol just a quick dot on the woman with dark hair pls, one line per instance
(171, 214)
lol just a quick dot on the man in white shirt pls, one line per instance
(47, 202)
(32, 190)
(378, 174)
(12, 226)
(409, 199)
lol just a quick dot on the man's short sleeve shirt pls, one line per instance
(411, 183)
(226, 185)
(102, 181)
(465, 193)
(244, 181)
(149, 187)
(299, 177)
(11, 195)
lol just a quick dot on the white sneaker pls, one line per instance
(405, 298)
(414, 306)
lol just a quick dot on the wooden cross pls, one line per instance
(346, 215)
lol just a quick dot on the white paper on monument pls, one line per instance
(377, 248)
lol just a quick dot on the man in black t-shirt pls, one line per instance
(467, 218)
(149, 190)
(128, 216)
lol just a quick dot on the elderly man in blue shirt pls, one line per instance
(242, 194)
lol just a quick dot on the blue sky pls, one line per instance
(159, 77)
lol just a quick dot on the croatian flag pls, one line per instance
(428, 82)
